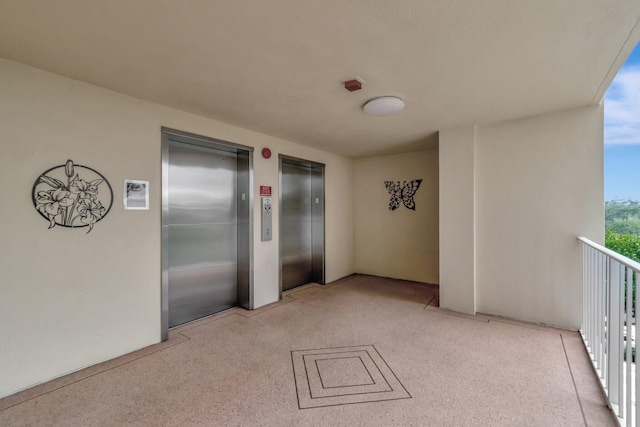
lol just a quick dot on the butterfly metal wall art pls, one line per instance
(402, 193)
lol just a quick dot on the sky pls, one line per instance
(622, 132)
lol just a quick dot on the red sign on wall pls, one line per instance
(265, 190)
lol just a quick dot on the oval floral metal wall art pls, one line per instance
(72, 196)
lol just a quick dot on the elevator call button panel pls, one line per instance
(266, 219)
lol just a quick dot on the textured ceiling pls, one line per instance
(277, 66)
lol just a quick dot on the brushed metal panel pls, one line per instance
(295, 225)
(301, 222)
(317, 224)
(186, 220)
(202, 231)
(193, 294)
(164, 286)
(244, 197)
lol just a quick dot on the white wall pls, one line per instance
(457, 220)
(539, 185)
(403, 243)
(70, 299)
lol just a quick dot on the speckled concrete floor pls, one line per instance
(363, 351)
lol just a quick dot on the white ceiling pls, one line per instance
(277, 66)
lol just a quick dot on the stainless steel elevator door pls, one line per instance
(301, 223)
(203, 225)
(296, 225)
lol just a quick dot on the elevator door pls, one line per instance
(203, 227)
(301, 222)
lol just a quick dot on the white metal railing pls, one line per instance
(608, 326)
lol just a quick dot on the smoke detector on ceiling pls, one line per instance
(354, 84)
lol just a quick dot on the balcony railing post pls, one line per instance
(636, 386)
(628, 353)
(596, 306)
(609, 324)
(592, 309)
(601, 339)
(615, 328)
(607, 309)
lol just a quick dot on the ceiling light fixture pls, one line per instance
(383, 106)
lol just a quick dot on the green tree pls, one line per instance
(623, 216)
(622, 234)
(624, 244)
(629, 246)
(630, 225)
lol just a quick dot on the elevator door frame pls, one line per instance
(317, 171)
(245, 226)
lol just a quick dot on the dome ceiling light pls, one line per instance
(383, 106)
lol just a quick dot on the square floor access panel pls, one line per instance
(344, 375)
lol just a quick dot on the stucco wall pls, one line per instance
(402, 243)
(70, 299)
(457, 220)
(539, 185)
